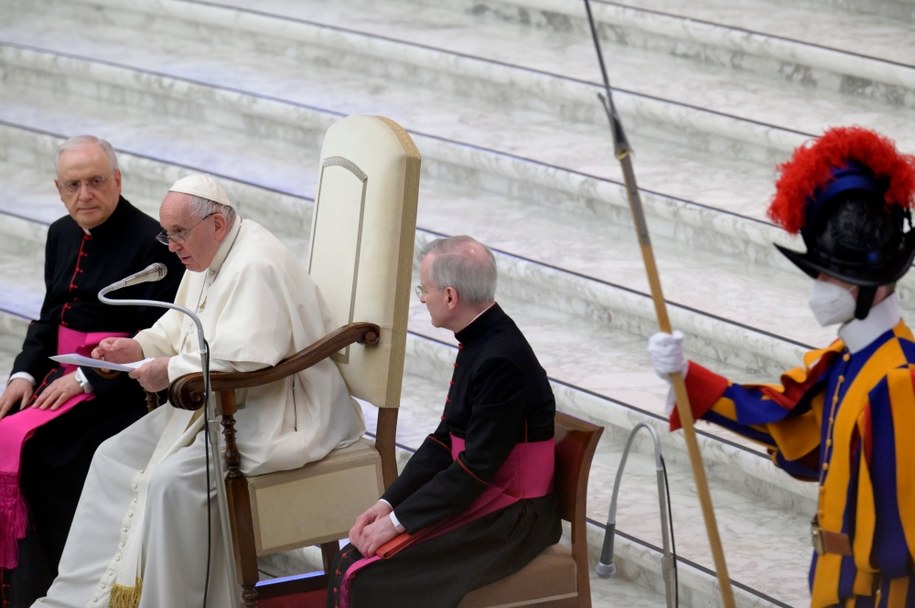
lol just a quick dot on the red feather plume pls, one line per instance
(810, 168)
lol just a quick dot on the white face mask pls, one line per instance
(831, 303)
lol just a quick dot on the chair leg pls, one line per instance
(329, 551)
(249, 596)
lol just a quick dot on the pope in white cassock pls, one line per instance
(139, 536)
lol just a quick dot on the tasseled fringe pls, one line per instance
(14, 520)
(123, 596)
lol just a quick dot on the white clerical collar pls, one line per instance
(479, 314)
(858, 333)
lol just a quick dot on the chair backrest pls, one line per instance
(576, 442)
(361, 252)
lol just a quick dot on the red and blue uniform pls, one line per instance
(845, 419)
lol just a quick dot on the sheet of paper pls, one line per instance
(74, 359)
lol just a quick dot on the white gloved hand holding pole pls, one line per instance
(666, 353)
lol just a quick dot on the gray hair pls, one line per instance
(465, 264)
(82, 140)
(200, 208)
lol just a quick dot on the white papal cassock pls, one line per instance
(142, 516)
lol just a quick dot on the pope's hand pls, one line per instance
(152, 376)
(118, 350)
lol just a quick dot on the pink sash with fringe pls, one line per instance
(15, 431)
(526, 473)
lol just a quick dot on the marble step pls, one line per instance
(491, 224)
(587, 301)
(746, 37)
(798, 42)
(738, 48)
(449, 171)
(458, 210)
(579, 294)
(581, 149)
(694, 123)
(903, 10)
(449, 212)
(33, 202)
(575, 301)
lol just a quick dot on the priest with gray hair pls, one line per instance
(475, 503)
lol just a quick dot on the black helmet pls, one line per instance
(855, 222)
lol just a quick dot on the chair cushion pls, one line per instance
(550, 576)
(316, 503)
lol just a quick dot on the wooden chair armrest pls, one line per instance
(187, 391)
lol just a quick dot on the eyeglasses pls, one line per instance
(93, 183)
(180, 236)
(421, 291)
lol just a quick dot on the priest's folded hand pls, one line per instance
(374, 535)
(19, 390)
(58, 392)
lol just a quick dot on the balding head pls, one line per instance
(465, 264)
(458, 281)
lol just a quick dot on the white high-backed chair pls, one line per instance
(361, 257)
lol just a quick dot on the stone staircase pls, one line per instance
(501, 99)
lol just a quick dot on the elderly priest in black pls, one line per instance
(53, 417)
(475, 502)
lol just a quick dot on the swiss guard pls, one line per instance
(845, 419)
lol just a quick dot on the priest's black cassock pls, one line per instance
(499, 398)
(56, 458)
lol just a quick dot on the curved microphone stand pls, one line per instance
(212, 424)
(605, 567)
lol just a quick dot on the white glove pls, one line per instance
(666, 354)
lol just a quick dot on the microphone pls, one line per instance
(153, 272)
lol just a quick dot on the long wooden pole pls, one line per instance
(623, 153)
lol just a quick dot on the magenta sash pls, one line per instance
(526, 473)
(15, 431)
